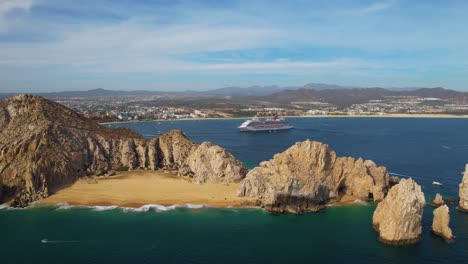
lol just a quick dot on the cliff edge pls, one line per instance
(45, 146)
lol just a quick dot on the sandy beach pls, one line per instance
(137, 188)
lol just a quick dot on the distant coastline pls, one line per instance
(305, 116)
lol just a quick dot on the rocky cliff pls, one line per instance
(440, 224)
(398, 217)
(309, 175)
(1, 188)
(211, 163)
(45, 146)
(463, 193)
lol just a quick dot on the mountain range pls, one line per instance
(329, 93)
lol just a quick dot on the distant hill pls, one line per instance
(247, 91)
(317, 91)
(99, 92)
(346, 97)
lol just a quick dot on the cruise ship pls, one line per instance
(269, 124)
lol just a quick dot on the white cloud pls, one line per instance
(376, 7)
(7, 6)
(369, 9)
(124, 40)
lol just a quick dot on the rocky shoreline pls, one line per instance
(46, 147)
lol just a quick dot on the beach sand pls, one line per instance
(137, 188)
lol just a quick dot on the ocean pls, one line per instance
(425, 149)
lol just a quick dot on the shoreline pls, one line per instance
(142, 190)
(138, 188)
(305, 116)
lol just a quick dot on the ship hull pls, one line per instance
(253, 129)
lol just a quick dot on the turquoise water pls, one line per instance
(426, 149)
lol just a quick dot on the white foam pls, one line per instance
(143, 208)
(195, 206)
(64, 206)
(150, 207)
(103, 208)
(4, 206)
(357, 201)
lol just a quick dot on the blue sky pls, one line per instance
(55, 45)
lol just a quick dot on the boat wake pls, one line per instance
(400, 175)
(46, 241)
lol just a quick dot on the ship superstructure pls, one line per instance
(268, 124)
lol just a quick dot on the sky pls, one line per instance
(59, 45)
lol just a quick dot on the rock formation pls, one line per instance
(211, 163)
(398, 217)
(438, 201)
(1, 189)
(45, 146)
(309, 175)
(450, 200)
(440, 224)
(394, 180)
(463, 193)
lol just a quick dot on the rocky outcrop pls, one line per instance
(45, 146)
(309, 175)
(450, 200)
(440, 224)
(398, 217)
(211, 163)
(463, 193)
(1, 189)
(394, 180)
(438, 201)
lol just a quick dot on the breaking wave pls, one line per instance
(143, 208)
(150, 207)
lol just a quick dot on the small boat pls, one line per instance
(436, 183)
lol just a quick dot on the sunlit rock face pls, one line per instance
(309, 175)
(45, 146)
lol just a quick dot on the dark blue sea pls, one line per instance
(424, 149)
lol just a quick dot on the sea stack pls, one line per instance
(438, 201)
(44, 145)
(309, 175)
(463, 193)
(440, 224)
(398, 217)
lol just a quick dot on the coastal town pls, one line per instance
(134, 108)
